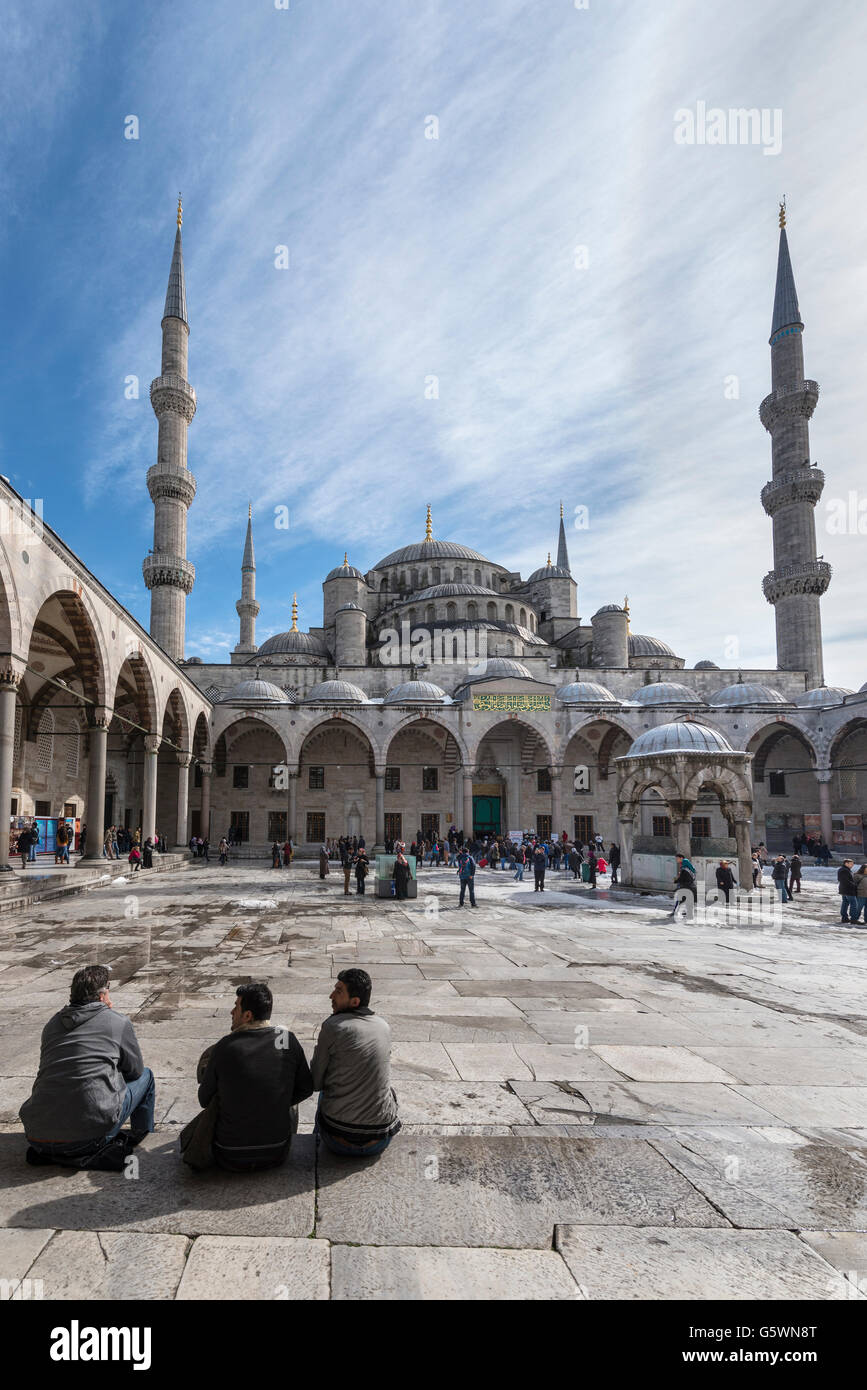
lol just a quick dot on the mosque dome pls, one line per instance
(706, 666)
(648, 646)
(666, 693)
(335, 693)
(585, 693)
(415, 693)
(608, 608)
(746, 693)
(344, 571)
(350, 608)
(430, 550)
(679, 738)
(292, 643)
(549, 571)
(823, 695)
(499, 668)
(255, 692)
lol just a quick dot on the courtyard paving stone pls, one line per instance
(250, 1267)
(399, 1272)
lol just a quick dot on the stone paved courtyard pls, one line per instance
(598, 1103)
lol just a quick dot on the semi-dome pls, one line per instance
(453, 591)
(585, 693)
(640, 645)
(746, 693)
(706, 666)
(255, 692)
(666, 693)
(344, 571)
(549, 571)
(292, 643)
(349, 608)
(335, 693)
(823, 695)
(415, 693)
(430, 550)
(679, 738)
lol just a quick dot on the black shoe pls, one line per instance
(137, 1135)
(37, 1159)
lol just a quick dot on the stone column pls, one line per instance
(467, 826)
(557, 826)
(94, 809)
(293, 807)
(626, 832)
(379, 847)
(823, 777)
(149, 794)
(9, 682)
(745, 855)
(681, 837)
(205, 812)
(182, 832)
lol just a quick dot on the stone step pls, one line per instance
(45, 883)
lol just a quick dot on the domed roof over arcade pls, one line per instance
(335, 693)
(686, 737)
(415, 693)
(746, 693)
(706, 666)
(255, 692)
(585, 693)
(640, 645)
(823, 696)
(666, 693)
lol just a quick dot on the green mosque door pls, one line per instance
(486, 815)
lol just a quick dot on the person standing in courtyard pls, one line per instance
(614, 862)
(795, 874)
(725, 879)
(684, 883)
(401, 874)
(860, 877)
(357, 1114)
(362, 865)
(847, 888)
(539, 862)
(276, 862)
(323, 861)
(780, 875)
(466, 876)
(224, 851)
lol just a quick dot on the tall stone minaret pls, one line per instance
(562, 552)
(247, 608)
(798, 580)
(167, 571)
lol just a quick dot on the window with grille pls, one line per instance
(17, 749)
(776, 784)
(240, 776)
(69, 809)
(393, 827)
(662, 826)
(583, 830)
(43, 808)
(315, 827)
(430, 827)
(316, 779)
(45, 742)
(543, 780)
(430, 779)
(240, 823)
(392, 779)
(277, 826)
(72, 733)
(543, 827)
(700, 828)
(847, 781)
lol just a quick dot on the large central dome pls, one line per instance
(430, 550)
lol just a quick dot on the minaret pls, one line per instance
(167, 571)
(798, 579)
(562, 552)
(247, 608)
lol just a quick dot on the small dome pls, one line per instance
(453, 591)
(585, 693)
(499, 668)
(350, 608)
(823, 695)
(255, 692)
(192, 661)
(706, 666)
(335, 693)
(648, 646)
(608, 608)
(344, 572)
(430, 550)
(415, 693)
(679, 738)
(734, 696)
(666, 693)
(549, 572)
(293, 643)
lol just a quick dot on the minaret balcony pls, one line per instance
(809, 577)
(247, 608)
(172, 394)
(171, 480)
(798, 485)
(787, 401)
(161, 569)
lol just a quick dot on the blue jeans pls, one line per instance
(850, 907)
(336, 1146)
(519, 873)
(32, 855)
(138, 1102)
(465, 884)
(781, 888)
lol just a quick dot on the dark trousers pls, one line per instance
(539, 876)
(465, 884)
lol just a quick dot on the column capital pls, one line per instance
(823, 774)
(152, 743)
(99, 717)
(207, 769)
(184, 759)
(11, 675)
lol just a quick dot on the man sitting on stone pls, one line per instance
(357, 1113)
(91, 1078)
(250, 1083)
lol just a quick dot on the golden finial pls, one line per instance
(294, 627)
(428, 529)
(346, 557)
(783, 211)
(561, 511)
(180, 212)
(626, 610)
(549, 559)
(249, 511)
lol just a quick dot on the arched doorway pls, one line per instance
(336, 784)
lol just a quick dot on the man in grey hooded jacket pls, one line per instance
(91, 1076)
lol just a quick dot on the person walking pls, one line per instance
(757, 871)
(362, 865)
(780, 875)
(276, 861)
(575, 860)
(847, 888)
(323, 861)
(107, 848)
(614, 862)
(520, 861)
(539, 864)
(346, 864)
(147, 854)
(224, 851)
(61, 842)
(725, 879)
(287, 854)
(795, 873)
(400, 874)
(685, 881)
(466, 875)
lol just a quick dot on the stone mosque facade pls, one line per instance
(441, 689)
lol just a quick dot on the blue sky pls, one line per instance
(601, 382)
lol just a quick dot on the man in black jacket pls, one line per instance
(849, 904)
(250, 1084)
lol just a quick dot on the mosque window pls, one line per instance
(700, 828)
(510, 613)
(523, 617)
(583, 830)
(776, 784)
(459, 575)
(383, 586)
(315, 827)
(72, 732)
(661, 827)
(492, 612)
(316, 779)
(393, 829)
(429, 613)
(451, 611)
(430, 779)
(413, 579)
(435, 575)
(45, 742)
(413, 614)
(848, 784)
(392, 779)
(543, 780)
(543, 827)
(477, 577)
(240, 776)
(472, 611)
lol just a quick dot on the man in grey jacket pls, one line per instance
(357, 1112)
(91, 1077)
